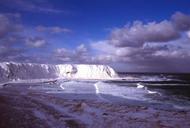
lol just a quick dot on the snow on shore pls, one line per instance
(35, 109)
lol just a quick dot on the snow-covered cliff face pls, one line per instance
(25, 71)
(83, 71)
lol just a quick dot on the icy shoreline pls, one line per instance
(80, 96)
(23, 107)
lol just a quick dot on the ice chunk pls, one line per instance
(139, 85)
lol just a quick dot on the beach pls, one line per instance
(21, 106)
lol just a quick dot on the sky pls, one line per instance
(129, 35)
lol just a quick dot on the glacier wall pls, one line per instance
(82, 71)
(26, 71)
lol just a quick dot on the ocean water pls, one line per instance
(166, 90)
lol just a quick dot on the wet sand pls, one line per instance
(22, 108)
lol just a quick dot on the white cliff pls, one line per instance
(82, 71)
(24, 71)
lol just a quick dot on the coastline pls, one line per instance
(31, 108)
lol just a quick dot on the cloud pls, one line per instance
(53, 29)
(103, 47)
(139, 33)
(154, 46)
(157, 57)
(181, 21)
(9, 23)
(172, 54)
(78, 55)
(31, 6)
(188, 34)
(108, 53)
(158, 47)
(36, 42)
(81, 50)
(13, 41)
(10, 39)
(9, 53)
(10, 27)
